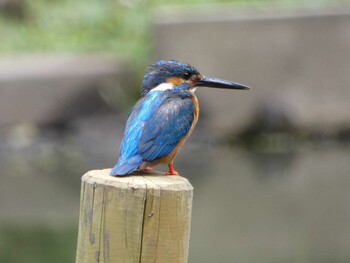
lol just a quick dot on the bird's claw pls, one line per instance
(172, 173)
(171, 170)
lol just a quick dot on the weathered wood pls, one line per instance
(134, 218)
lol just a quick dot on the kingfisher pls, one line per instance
(164, 117)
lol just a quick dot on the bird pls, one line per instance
(164, 117)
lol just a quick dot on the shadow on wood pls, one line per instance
(143, 218)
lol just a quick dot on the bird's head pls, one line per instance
(168, 74)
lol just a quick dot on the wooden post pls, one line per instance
(134, 218)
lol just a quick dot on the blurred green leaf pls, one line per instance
(75, 26)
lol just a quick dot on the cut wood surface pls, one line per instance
(141, 218)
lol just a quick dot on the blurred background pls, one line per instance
(270, 166)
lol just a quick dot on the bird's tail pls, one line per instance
(124, 167)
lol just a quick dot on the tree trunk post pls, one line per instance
(141, 218)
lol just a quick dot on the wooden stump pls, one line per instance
(134, 218)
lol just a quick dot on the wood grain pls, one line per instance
(142, 218)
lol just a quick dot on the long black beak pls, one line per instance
(219, 83)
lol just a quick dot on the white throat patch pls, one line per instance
(163, 87)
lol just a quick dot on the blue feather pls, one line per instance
(155, 126)
(168, 126)
(124, 167)
(140, 114)
(158, 73)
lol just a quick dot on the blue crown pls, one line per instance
(160, 71)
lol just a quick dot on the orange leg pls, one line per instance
(171, 170)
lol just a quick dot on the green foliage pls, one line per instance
(76, 26)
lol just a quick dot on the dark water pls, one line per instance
(273, 208)
(286, 206)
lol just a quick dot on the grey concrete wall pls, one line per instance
(296, 62)
(49, 89)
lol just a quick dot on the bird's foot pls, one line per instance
(148, 168)
(171, 170)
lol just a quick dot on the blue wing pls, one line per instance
(169, 124)
(155, 126)
(129, 158)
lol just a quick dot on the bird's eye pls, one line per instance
(186, 76)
